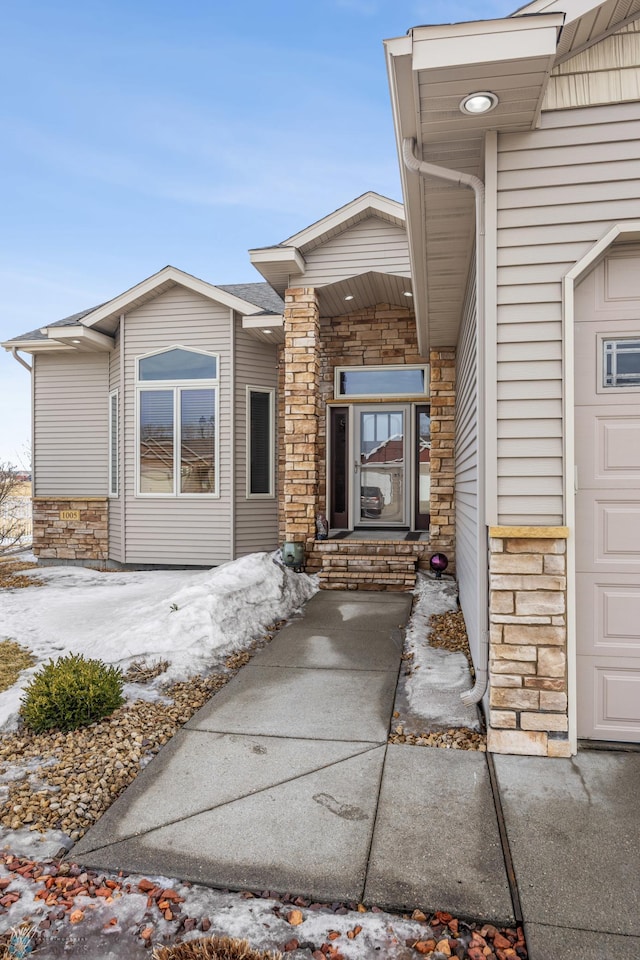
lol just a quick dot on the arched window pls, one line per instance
(177, 419)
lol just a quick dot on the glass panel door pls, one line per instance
(381, 477)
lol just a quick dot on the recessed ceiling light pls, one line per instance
(349, 296)
(76, 341)
(267, 331)
(477, 103)
(407, 293)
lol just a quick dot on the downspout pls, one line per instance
(21, 360)
(474, 183)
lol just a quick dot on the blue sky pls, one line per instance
(136, 134)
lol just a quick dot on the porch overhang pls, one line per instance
(431, 70)
(364, 290)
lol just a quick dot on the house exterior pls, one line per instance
(523, 216)
(154, 425)
(183, 423)
(459, 373)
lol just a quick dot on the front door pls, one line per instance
(607, 418)
(381, 476)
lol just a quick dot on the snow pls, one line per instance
(438, 677)
(193, 619)
(231, 914)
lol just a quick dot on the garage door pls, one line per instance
(607, 338)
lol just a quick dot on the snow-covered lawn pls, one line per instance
(193, 619)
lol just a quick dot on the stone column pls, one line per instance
(443, 399)
(301, 412)
(528, 641)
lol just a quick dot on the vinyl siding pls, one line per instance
(371, 245)
(174, 530)
(256, 520)
(70, 455)
(560, 188)
(115, 503)
(467, 470)
(607, 72)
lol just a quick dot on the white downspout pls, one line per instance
(474, 183)
(21, 360)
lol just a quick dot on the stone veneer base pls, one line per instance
(528, 712)
(86, 539)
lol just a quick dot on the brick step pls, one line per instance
(366, 548)
(370, 563)
(357, 577)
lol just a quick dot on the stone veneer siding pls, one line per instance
(313, 348)
(528, 641)
(301, 413)
(83, 539)
(443, 466)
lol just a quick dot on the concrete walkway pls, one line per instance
(285, 781)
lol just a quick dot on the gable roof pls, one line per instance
(369, 204)
(107, 315)
(283, 261)
(248, 299)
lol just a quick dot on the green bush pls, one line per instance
(70, 693)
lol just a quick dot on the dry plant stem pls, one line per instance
(213, 948)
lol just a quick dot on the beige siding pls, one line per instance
(174, 530)
(115, 503)
(560, 188)
(607, 72)
(256, 520)
(466, 485)
(371, 245)
(70, 452)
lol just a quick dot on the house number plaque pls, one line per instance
(69, 514)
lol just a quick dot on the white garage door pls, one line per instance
(607, 337)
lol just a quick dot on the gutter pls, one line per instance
(436, 172)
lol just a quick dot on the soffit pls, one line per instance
(365, 290)
(510, 58)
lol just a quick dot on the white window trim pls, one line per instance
(114, 444)
(602, 387)
(272, 442)
(425, 367)
(177, 386)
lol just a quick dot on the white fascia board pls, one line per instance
(368, 202)
(119, 304)
(486, 41)
(80, 337)
(281, 255)
(35, 346)
(264, 320)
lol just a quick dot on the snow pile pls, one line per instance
(192, 619)
(438, 677)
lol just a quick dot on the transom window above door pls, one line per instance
(177, 435)
(390, 380)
